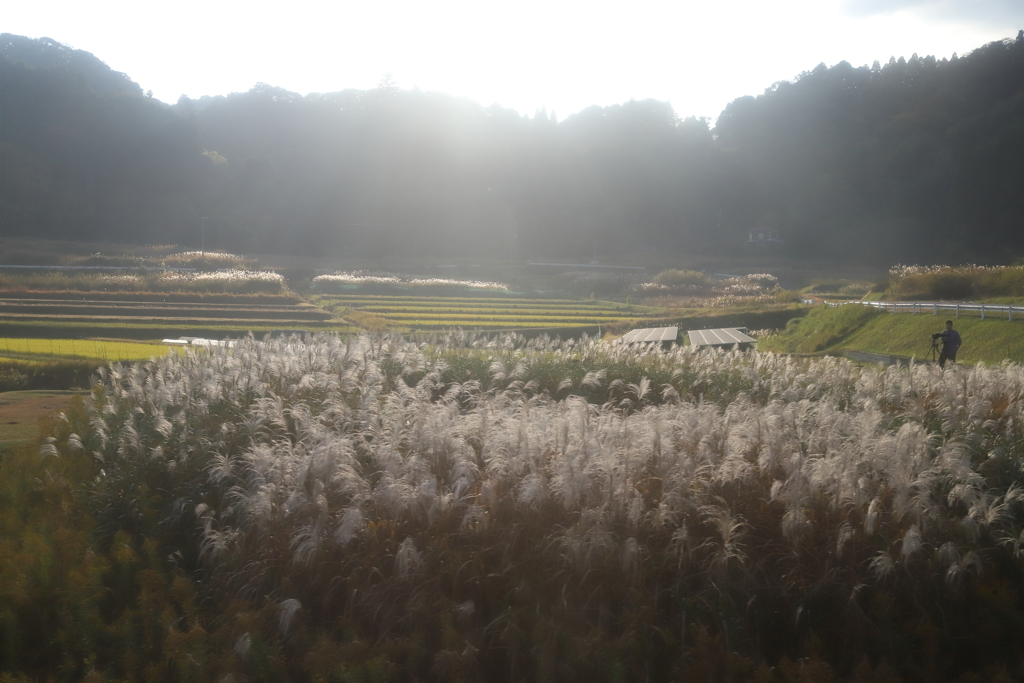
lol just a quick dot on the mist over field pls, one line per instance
(912, 160)
(335, 388)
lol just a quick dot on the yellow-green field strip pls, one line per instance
(158, 320)
(518, 304)
(497, 313)
(484, 299)
(450, 305)
(464, 319)
(473, 301)
(88, 349)
(158, 326)
(477, 324)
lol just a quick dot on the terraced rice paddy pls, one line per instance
(146, 319)
(87, 349)
(79, 310)
(494, 313)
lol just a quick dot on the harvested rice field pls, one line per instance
(122, 317)
(496, 313)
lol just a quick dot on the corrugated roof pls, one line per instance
(725, 336)
(651, 334)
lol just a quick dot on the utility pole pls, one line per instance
(202, 250)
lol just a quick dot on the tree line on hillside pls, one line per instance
(913, 160)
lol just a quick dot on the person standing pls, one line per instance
(950, 343)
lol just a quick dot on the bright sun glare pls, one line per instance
(561, 56)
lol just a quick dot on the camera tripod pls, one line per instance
(934, 352)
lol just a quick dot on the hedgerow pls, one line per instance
(955, 282)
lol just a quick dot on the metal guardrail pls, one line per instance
(934, 307)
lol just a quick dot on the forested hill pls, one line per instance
(49, 54)
(918, 156)
(913, 160)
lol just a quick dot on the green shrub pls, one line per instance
(12, 380)
(956, 282)
(826, 287)
(61, 374)
(845, 287)
(1001, 282)
(677, 278)
(787, 296)
(940, 285)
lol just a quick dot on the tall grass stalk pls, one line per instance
(523, 507)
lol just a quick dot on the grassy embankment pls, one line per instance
(829, 329)
(752, 317)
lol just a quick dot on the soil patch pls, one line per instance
(20, 412)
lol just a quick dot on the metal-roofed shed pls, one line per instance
(650, 335)
(725, 336)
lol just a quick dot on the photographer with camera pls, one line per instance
(950, 343)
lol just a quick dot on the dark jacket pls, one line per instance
(950, 340)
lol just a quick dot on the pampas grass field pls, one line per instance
(495, 509)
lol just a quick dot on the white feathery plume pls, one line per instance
(287, 610)
(407, 559)
(911, 542)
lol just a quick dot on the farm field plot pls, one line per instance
(399, 310)
(491, 313)
(124, 317)
(89, 349)
(143, 329)
(20, 308)
(143, 304)
(503, 302)
(188, 298)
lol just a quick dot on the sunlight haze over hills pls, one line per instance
(561, 56)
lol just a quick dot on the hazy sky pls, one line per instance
(564, 56)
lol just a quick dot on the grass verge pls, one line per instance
(701, 319)
(866, 329)
(821, 329)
